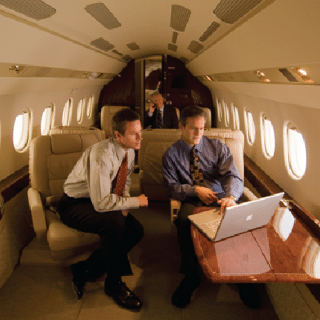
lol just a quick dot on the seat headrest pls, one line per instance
(66, 143)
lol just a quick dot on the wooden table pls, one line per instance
(283, 251)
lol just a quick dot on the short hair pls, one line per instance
(154, 93)
(191, 112)
(120, 119)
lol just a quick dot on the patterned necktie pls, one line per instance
(195, 169)
(159, 119)
(122, 177)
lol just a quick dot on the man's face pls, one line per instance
(158, 100)
(132, 136)
(193, 131)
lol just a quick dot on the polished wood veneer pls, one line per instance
(283, 251)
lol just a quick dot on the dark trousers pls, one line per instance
(118, 235)
(189, 262)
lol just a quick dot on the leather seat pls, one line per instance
(156, 141)
(51, 160)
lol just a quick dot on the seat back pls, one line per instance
(156, 141)
(107, 113)
(53, 157)
(208, 114)
(77, 129)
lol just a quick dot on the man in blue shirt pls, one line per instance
(221, 185)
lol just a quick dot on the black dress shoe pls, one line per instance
(122, 295)
(182, 296)
(249, 295)
(80, 277)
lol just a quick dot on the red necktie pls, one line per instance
(122, 177)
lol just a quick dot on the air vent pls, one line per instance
(103, 15)
(179, 17)
(102, 44)
(34, 9)
(127, 58)
(174, 37)
(133, 46)
(230, 11)
(195, 46)
(117, 52)
(184, 60)
(212, 28)
(172, 47)
(288, 75)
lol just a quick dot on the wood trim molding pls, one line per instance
(13, 184)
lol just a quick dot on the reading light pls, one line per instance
(260, 74)
(209, 78)
(302, 72)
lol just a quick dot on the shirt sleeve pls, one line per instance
(100, 185)
(171, 180)
(230, 180)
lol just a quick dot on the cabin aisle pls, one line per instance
(43, 292)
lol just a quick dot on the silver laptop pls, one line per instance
(237, 219)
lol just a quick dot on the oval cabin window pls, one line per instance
(47, 120)
(22, 131)
(90, 107)
(250, 127)
(295, 151)
(219, 110)
(235, 115)
(226, 114)
(267, 136)
(67, 113)
(80, 110)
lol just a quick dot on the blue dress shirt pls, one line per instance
(219, 171)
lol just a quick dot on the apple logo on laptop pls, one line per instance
(249, 217)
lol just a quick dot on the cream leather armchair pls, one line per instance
(51, 160)
(156, 141)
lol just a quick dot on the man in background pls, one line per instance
(160, 115)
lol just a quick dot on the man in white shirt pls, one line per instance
(91, 204)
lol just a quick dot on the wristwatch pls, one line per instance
(233, 197)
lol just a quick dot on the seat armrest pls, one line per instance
(174, 208)
(248, 195)
(37, 214)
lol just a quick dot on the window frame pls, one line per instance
(268, 138)
(250, 126)
(26, 131)
(292, 155)
(67, 113)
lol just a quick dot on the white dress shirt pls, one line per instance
(94, 172)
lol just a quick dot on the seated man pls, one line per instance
(198, 171)
(159, 115)
(96, 200)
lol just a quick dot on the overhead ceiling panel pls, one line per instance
(34, 9)
(179, 17)
(212, 28)
(230, 11)
(103, 15)
(102, 44)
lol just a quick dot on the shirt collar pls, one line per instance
(120, 152)
(198, 147)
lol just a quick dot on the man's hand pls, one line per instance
(143, 200)
(152, 107)
(226, 202)
(206, 195)
(125, 212)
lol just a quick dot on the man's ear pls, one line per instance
(180, 126)
(117, 135)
